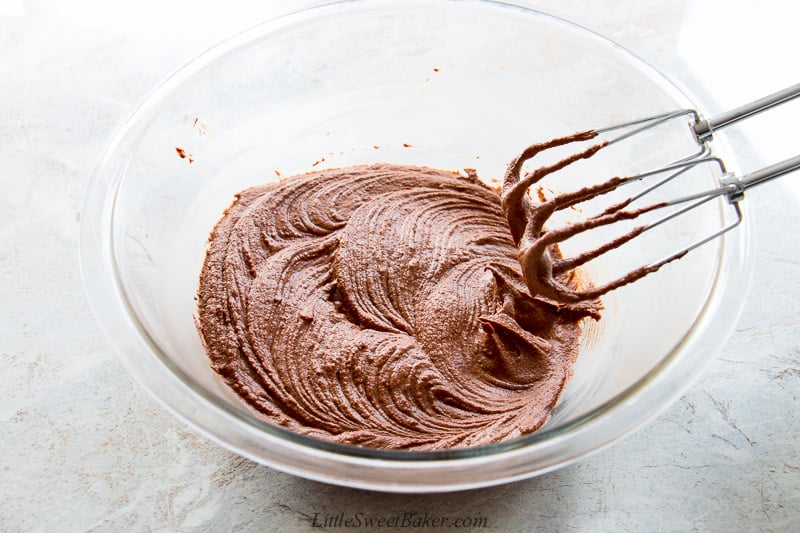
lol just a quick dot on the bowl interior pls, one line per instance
(450, 85)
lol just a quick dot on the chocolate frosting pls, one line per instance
(383, 306)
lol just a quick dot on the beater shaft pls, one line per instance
(704, 128)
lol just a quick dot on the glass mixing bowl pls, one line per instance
(445, 84)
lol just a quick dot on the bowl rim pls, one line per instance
(310, 457)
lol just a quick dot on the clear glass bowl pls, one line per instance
(465, 84)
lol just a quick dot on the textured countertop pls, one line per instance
(86, 448)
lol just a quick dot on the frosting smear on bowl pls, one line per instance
(383, 306)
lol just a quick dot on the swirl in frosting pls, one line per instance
(382, 306)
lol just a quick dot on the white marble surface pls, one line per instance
(83, 447)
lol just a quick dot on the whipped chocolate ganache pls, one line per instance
(385, 306)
